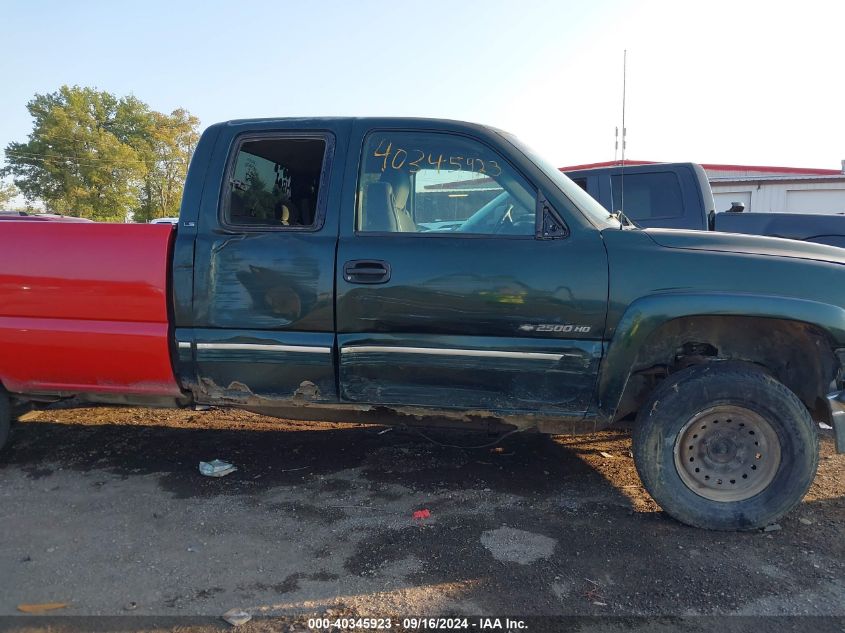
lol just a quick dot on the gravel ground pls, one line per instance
(105, 510)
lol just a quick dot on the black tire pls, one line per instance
(5, 419)
(733, 392)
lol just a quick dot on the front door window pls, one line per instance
(440, 183)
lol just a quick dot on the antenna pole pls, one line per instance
(624, 131)
(616, 146)
(624, 91)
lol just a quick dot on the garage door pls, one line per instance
(815, 201)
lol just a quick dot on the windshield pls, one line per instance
(594, 212)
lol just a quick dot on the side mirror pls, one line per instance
(737, 207)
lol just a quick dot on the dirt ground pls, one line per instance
(105, 510)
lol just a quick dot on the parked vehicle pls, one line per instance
(39, 217)
(678, 195)
(419, 271)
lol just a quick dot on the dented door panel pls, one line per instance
(267, 281)
(259, 368)
(477, 372)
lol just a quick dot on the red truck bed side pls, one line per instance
(84, 308)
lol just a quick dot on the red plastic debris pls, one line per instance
(422, 514)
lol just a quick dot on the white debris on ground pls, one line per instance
(236, 617)
(217, 468)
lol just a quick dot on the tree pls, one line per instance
(8, 192)
(94, 155)
(166, 151)
(73, 160)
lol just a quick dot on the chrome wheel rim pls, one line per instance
(727, 453)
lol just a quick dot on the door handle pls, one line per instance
(366, 271)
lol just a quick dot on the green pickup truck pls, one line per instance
(414, 271)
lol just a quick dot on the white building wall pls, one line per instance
(773, 196)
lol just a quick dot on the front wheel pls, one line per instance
(725, 446)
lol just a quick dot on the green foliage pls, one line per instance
(8, 192)
(254, 195)
(166, 150)
(94, 155)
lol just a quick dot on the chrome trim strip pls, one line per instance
(261, 347)
(437, 351)
(184, 345)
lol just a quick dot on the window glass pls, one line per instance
(440, 183)
(648, 196)
(581, 182)
(276, 182)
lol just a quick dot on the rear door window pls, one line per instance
(650, 196)
(275, 183)
(581, 182)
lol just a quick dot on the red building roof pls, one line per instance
(804, 171)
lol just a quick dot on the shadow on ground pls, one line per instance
(525, 463)
(614, 552)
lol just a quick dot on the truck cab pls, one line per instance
(415, 271)
(659, 195)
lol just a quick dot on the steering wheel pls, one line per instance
(507, 217)
(507, 220)
(516, 221)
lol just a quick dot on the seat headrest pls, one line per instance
(378, 214)
(401, 183)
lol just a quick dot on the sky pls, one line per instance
(742, 82)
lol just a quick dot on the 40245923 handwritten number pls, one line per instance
(397, 158)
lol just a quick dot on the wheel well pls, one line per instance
(797, 354)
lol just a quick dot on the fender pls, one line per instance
(645, 315)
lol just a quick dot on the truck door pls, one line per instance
(450, 291)
(263, 310)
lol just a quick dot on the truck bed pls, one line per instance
(809, 227)
(84, 308)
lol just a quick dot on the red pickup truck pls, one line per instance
(427, 271)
